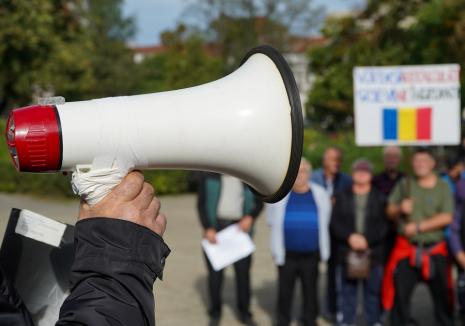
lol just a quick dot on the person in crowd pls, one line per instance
(222, 201)
(119, 253)
(454, 173)
(329, 176)
(423, 207)
(385, 182)
(457, 244)
(333, 181)
(299, 226)
(456, 239)
(359, 225)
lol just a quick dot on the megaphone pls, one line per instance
(248, 124)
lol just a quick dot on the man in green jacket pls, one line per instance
(224, 200)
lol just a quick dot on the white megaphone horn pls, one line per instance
(248, 124)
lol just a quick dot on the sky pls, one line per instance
(154, 16)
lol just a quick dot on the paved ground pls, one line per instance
(181, 298)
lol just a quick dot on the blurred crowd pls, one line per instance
(383, 232)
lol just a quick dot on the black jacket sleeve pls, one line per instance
(340, 225)
(378, 224)
(116, 263)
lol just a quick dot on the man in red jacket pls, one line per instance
(422, 207)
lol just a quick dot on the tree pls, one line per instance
(26, 41)
(187, 62)
(235, 27)
(72, 48)
(392, 32)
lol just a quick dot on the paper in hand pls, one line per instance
(232, 245)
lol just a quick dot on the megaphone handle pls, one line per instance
(92, 185)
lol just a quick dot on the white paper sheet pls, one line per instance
(232, 245)
(40, 228)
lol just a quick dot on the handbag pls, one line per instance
(358, 264)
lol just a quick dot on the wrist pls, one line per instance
(419, 227)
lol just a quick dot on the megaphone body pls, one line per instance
(247, 124)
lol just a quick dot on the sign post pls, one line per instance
(407, 105)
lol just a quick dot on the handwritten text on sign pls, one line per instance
(407, 105)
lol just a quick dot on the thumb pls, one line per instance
(84, 209)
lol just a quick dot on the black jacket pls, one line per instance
(343, 223)
(116, 263)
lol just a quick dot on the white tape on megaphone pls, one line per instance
(247, 124)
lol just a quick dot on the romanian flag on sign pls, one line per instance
(407, 124)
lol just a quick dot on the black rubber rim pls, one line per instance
(296, 120)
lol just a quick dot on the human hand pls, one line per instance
(406, 206)
(132, 200)
(357, 242)
(461, 259)
(245, 223)
(210, 235)
(410, 229)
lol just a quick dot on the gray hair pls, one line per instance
(306, 162)
(392, 148)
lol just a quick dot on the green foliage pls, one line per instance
(168, 182)
(76, 49)
(234, 27)
(388, 32)
(317, 141)
(186, 62)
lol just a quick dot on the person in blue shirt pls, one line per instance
(454, 173)
(333, 181)
(299, 239)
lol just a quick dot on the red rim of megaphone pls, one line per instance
(296, 121)
(33, 135)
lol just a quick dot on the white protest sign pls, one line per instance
(407, 105)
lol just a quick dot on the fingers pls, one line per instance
(129, 187)
(153, 219)
(160, 224)
(153, 209)
(145, 197)
(84, 210)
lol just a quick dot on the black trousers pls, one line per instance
(303, 266)
(406, 277)
(330, 308)
(215, 284)
(461, 294)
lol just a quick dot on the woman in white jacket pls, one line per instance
(299, 240)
